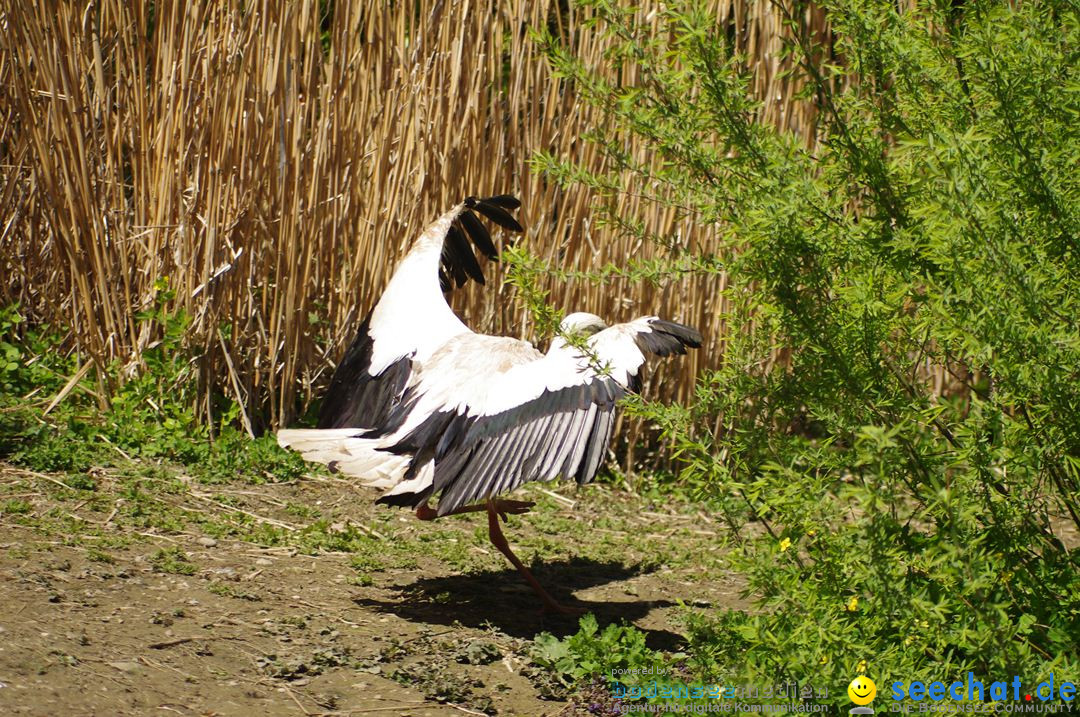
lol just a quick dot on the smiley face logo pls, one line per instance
(862, 690)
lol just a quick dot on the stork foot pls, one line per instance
(563, 609)
(512, 507)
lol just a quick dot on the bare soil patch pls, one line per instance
(306, 599)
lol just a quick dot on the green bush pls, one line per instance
(934, 223)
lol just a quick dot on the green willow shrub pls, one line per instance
(935, 223)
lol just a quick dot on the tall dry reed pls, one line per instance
(272, 165)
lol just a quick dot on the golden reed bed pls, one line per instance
(274, 164)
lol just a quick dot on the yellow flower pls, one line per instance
(824, 659)
(861, 667)
(785, 544)
(853, 603)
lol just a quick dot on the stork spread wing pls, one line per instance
(538, 421)
(412, 318)
(624, 345)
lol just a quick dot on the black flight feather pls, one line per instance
(450, 438)
(463, 253)
(597, 446)
(459, 262)
(458, 272)
(686, 335)
(498, 215)
(479, 234)
(405, 500)
(424, 436)
(506, 201)
(549, 426)
(667, 337)
(397, 415)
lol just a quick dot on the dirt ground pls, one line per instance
(148, 594)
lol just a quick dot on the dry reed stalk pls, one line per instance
(274, 165)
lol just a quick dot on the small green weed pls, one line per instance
(15, 506)
(172, 561)
(438, 683)
(324, 535)
(367, 562)
(227, 590)
(99, 556)
(616, 652)
(304, 512)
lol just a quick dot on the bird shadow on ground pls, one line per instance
(501, 599)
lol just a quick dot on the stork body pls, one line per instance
(468, 417)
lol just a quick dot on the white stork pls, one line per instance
(470, 417)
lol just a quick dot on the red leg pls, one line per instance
(499, 541)
(502, 507)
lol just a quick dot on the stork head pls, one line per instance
(582, 324)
